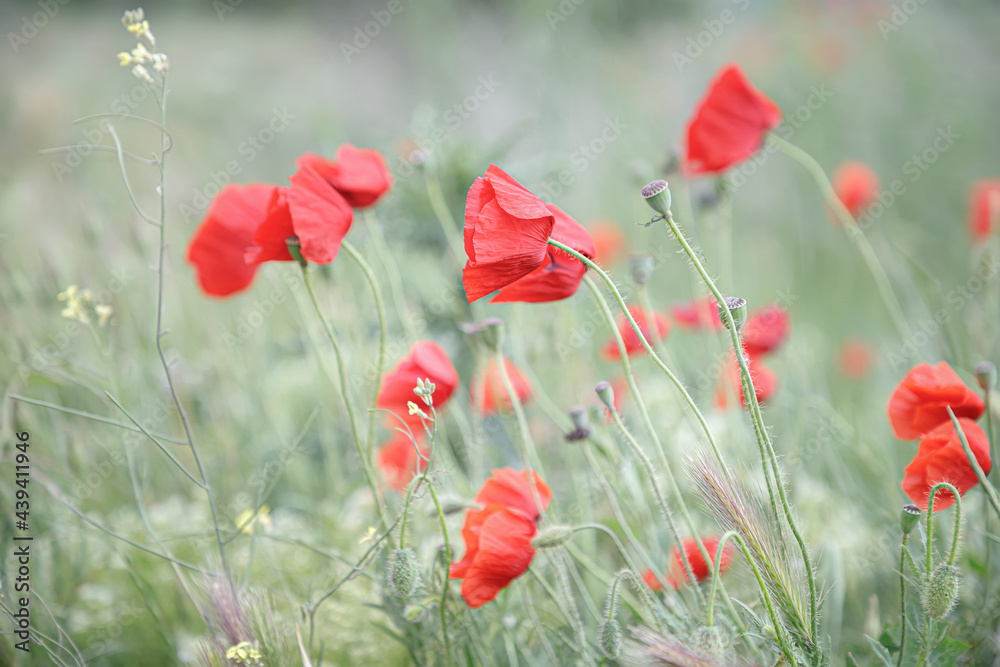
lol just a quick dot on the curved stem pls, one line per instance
(380, 359)
(991, 493)
(854, 232)
(763, 439)
(345, 394)
(930, 522)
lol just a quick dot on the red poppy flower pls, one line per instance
(507, 229)
(920, 401)
(498, 537)
(856, 358)
(633, 345)
(765, 382)
(699, 568)
(941, 458)
(698, 314)
(398, 460)
(609, 241)
(309, 209)
(560, 274)
(359, 174)
(512, 489)
(425, 360)
(489, 386)
(765, 330)
(216, 250)
(729, 124)
(856, 185)
(984, 209)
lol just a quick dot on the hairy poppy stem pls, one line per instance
(854, 232)
(902, 599)
(930, 524)
(345, 395)
(763, 439)
(991, 493)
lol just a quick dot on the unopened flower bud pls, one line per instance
(551, 537)
(581, 425)
(737, 308)
(402, 572)
(606, 394)
(609, 635)
(449, 505)
(657, 195)
(710, 640)
(941, 591)
(911, 517)
(642, 267)
(986, 375)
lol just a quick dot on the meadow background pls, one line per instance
(558, 75)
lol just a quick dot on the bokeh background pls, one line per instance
(599, 91)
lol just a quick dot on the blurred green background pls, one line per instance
(531, 86)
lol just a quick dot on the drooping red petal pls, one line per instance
(504, 553)
(360, 175)
(218, 247)
(320, 215)
(270, 241)
(941, 458)
(920, 401)
(512, 489)
(729, 124)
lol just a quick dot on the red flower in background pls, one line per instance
(498, 537)
(729, 124)
(425, 360)
(701, 569)
(698, 314)
(309, 209)
(506, 233)
(765, 330)
(559, 276)
(856, 185)
(491, 391)
(359, 174)
(941, 458)
(633, 345)
(217, 248)
(920, 401)
(984, 209)
(609, 240)
(398, 460)
(856, 358)
(765, 382)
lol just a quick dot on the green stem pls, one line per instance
(902, 601)
(980, 475)
(763, 439)
(854, 232)
(930, 524)
(345, 393)
(391, 268)
(444, 589)
(444, 216)
(380, 359)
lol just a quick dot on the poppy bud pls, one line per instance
(986, 375)
(911, 517)
(295, 249)
(710, 640)
(606, 394)
(402, 573)
(414, 612)
(737, 308)
(609, 635)
(657, 195)
(941, 591)
(642, 268)
(581, 425)
(551, 537)
(449, 505)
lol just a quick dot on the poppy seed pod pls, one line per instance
(606, 394)
(986, 375)
(911, 517)
(657, 195)
(941, 591)
(402, 573)
(737, 307)
(581, 425)
(609, 635)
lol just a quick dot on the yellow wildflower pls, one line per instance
(247, 521)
